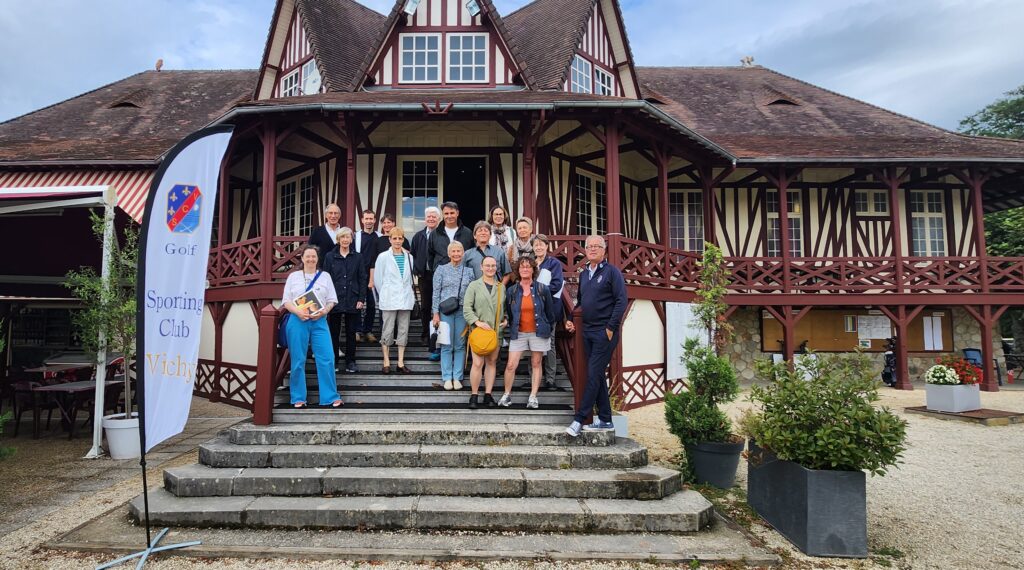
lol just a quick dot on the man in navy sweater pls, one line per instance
(602, 297)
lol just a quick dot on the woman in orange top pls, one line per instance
(531, 313)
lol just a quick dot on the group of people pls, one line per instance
(475, 287)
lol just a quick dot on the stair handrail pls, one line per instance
(271, 365)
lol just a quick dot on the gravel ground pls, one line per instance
(954, 503)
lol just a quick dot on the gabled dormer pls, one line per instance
(444, 43)
(576, 45)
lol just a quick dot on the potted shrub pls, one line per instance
(815, 432)
(712, 451)
(952, 386)
(110, 308)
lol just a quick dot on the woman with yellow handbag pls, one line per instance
(483, 311)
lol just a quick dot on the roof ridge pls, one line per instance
(513, 45)
(91, 91)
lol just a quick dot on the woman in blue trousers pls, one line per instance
(307, 326)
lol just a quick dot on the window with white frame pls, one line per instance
(295, 207)
(291, 84)
(604, 83)
(871, 202)
(686, 221)
(774, 235)
(467, 58)
(579, 79)
(420, 58)
(419, 190)
(591, 205)
(928, 223)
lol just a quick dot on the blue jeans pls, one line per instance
(453, 356)
(598, 350)
(300, 335)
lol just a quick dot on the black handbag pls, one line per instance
(451, 304)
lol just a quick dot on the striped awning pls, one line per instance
(132, 185)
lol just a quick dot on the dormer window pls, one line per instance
(604, 83)
(579, 80)
(291, 84)
(467, 58)
(421, 58)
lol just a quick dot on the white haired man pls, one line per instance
(422, 271)
(325, 238)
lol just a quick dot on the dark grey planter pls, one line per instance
(715, 463)
(823, 513)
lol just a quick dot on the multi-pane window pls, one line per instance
(419, 190)
(467, 58)
(579, 80)
(927, 223)
(774, 239)
(871, 202)
(591, 205)
(421, 58)
(295, 207)
(604, 83)
(291, 84)
(686, 221)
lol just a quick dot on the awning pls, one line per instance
(132, 185)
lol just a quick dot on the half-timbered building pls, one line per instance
(842, 223)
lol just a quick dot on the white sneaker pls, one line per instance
(456, 385)
(532, 403)
(574, 429)
(447, 384)
(505, 401)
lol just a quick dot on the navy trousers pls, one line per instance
(369, 313)
(598, 350)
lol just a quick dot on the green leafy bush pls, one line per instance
(821, 415)
(693, 415)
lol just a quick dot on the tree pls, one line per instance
(1004, 231)
(109, 308)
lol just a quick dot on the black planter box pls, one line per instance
(824, 513)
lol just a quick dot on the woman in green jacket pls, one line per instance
(484, 298)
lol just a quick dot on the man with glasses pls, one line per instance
(602, 297)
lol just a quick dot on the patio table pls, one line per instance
(67, 398)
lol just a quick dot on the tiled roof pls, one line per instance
(429, 96)
(547, 33)
(341, 34)
(732, 106)
(135, 119)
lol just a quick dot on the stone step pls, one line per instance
(644, 483)
(685, 511)
(624, 454)
(427, 396)
(412, 434)
(438, 414)
(396, 381)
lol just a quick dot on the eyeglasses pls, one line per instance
(595, 247)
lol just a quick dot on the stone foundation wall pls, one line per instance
(746, 346)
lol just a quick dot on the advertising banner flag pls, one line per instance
(173, 251)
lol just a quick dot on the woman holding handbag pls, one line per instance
(482, 309)
(393, 282)
(450, 283)
(307, 325)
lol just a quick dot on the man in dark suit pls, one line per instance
(437, 245)
(425, 276)
(365, 244)
(324, 237)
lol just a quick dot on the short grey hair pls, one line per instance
(596, 238)
(434, 209)
(455, 244)
(329, 206)
(344, 231)
(482, 224)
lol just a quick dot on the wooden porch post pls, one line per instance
(788, 319)
(349, 209)
(529, 174)
(892, 180)
(612, 136)
(987, 318)
(263, 402)
(664, 232)
(268, 200)
(901, 318)
(975, 182)
(781, 180)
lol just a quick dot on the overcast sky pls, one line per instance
(935, 60)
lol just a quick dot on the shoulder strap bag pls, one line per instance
(451, 304)
(282, 335)
(483, 342)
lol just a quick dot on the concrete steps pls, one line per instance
(496, 475)
(435, 414)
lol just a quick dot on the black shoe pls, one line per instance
(548, 385)
(472, 402)
(489, 401)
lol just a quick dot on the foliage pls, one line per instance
(953, 370)
(820, 414)
(112, 308)
(710, 307)
(1004, 231)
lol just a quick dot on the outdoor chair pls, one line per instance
(973, 355)
(24, 401)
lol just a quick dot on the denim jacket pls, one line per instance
(543, 309)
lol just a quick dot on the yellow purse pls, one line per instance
(483, 342)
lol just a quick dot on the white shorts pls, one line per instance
(529, 342)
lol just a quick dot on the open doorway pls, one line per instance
(465, 183)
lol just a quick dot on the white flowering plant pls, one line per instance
(941, 374)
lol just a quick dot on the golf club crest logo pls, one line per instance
(184, 204)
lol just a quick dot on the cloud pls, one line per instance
(936, 60)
